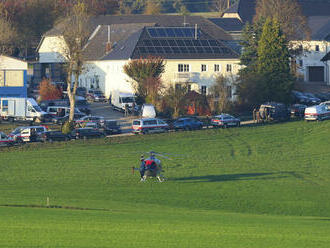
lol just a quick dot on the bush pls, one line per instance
(67, 127)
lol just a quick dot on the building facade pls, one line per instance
(13, 77)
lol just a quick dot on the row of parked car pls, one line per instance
(310, 98)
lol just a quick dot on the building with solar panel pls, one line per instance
(195, 50)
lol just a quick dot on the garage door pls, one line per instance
(316, 73)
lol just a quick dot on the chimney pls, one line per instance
(108, 46)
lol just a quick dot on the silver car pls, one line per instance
(225, 120)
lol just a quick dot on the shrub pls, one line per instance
(67, 127)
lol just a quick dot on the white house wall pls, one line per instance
(109, 75)
(52, 50)
(311, 57)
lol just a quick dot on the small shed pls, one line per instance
(13, 77)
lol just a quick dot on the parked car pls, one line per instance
(111, 127)
(50, 136)
(62, 120)
(95, 96)
(97, 119)
(149, 125)
(86, 133)
(274, 111)
(312, 99)
(6, 140)
(299, 97)
(298, 110)
(82, 105)
(28, 134)
(81, 91)
(187, 124)
(49, 103)
(317, 113)
(225, 120)
(323, 96)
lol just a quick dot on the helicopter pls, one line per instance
(152, 167)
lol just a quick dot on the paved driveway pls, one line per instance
(105, 110)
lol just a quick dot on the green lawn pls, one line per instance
(266, 186)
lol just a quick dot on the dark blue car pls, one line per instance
(187, 124)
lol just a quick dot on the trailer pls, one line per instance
(21, 109)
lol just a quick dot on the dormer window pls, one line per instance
(317, 48)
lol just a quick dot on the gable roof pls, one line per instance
(124, 26)
(320, 27)
(185, 43)
(96, 46)
(246, 8)
(326, 57)
(228, 24)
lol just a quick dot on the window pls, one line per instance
(228, 67)
(217, 68)
(300, 62)
(203, 89)
(203, 67)
(4, 105)
(2, 78)
(317, 48)
(183, 68)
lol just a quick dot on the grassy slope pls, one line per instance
(243, 187)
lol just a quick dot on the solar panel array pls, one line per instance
(173, 32)
(181, 46)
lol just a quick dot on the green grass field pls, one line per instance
(265, 186)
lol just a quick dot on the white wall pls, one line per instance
(110, 76)
(311, 57)
(9, 63)
(52, 50)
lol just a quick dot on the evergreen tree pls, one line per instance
(273, 63)
(266, 73)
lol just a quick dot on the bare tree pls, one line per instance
(288, 13)
(7, 35)
(220, 94)
(75, 35)
(221, 5)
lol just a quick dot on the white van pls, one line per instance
(120, 99)
(20, 108)
(317, 113)
(149, 125)
(61, 111)
(148, 111)
(24, 133)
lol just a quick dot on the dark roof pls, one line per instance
(159, 20)
(326, 57)
(96, 46)
(124, 26)
(246, 8)
(320, 27)
(124, 49)
(151, 42)
(228, 24)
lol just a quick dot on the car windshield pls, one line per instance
(98, 92)
(37, 108)
(17, 130)
(81, 102)
(127, 99)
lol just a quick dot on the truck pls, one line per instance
(120, 99)
(21, 109)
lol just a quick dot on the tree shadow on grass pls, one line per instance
(236, 177)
